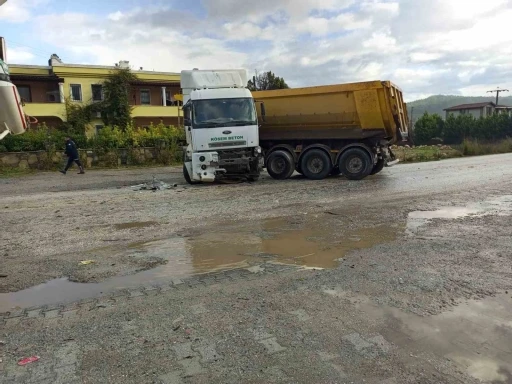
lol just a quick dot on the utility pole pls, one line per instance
(498, 91)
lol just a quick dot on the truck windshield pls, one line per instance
(224, 113)
(4, 71)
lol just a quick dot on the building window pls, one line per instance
(145, 97)
(98, 127)
(97, 92)
(24, 91)
(76, 92)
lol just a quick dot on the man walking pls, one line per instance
(72, 153)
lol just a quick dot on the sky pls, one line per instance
(426, 47)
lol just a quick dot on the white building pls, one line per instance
(477, 110)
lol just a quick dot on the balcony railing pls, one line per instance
(46, 109)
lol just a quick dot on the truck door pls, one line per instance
(187, 122)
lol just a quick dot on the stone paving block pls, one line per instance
(339, 370)
(51, 307)
(171, 378)
(356, 341)
(42, 380)
(208, 353)
(177, 281)
(192, 367)
(165, 288)
(301, 315)
(260, 334)
(272, 345)
(198, 309)
(34, 313)
(151, 290)
(70, 313)
(16, 313)
(52, 313)
(67, 354)
(183, 350)
(381, 343)
(136, 293)
(12, 322)
(276, 373)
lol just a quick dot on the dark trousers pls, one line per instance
(70, 163)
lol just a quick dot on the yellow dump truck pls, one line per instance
(336, 129)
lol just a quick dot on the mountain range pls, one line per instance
(436, 104)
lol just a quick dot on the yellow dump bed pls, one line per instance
(373, 109)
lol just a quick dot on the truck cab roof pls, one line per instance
(222, 93)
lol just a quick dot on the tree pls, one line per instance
(116, 109)
(266, 81)
(428, 127)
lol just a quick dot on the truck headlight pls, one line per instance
(257, 151)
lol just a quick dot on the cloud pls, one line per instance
(425, 46)
(14, 12)
(20, 55)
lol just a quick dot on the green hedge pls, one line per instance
(454, 130)
(45, 138)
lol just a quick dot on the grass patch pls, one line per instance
(425, 153)
(476, 148)
(15, 172)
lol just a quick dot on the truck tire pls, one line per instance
(280, 165)
(187, 176)
(355, 164)
(316, 164)
(377, 167)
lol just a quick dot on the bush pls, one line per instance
(43, 138)
(455, 130)
(428, 127)
(40, 139)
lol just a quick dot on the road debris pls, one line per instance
(154, 185)
(28, 360)
(87, 262)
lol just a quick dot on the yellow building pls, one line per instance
(46, 88)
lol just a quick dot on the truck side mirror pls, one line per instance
(187, 122)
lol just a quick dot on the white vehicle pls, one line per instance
(12, 118)
(221, 126)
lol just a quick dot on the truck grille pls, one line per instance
(228, 144)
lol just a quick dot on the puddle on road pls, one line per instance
(498, 206)
(218, 249)
(309, 242)
(476, 336)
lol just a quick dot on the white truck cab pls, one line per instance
(221, 126)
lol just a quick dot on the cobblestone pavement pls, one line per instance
(431, 304)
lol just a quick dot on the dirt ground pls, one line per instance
(404, 277)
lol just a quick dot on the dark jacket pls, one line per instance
(71, 149)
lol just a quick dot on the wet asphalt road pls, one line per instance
(406, 302)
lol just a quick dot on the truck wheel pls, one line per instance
(355, 164)
(280, 165)
(377, 167)
(316, 164)
(187, 176)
